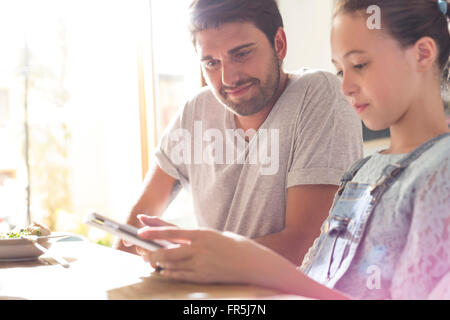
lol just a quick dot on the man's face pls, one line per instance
(240, 65)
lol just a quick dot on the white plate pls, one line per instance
(21, 249)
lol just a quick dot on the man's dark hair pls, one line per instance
(264, 14)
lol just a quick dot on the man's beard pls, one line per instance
(264, 96)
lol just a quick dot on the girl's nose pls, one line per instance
(349, 86)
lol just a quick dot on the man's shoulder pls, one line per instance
(318, 87)
(202, 100)
(202, 95)
(314, 77)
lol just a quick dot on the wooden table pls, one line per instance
(98, 272)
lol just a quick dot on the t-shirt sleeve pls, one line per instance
(424, 264)
(328, 134)
(173, 151)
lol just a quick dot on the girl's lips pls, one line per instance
(360, 107)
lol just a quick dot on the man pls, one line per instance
(261, 150)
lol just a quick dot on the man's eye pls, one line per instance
(210, 64)
(340, 74)
(242, 54)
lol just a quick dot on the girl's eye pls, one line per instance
(360, 66)
(340, 73)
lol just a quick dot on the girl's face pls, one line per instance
(378, 76)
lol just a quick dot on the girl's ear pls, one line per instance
(426, 53)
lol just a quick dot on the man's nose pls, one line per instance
(230, 74)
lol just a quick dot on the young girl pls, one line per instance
(388, 232)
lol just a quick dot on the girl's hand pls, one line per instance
(153, 221)
(148, 221)
(142, 219)
(207, 256)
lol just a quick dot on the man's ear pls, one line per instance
(280, 44)
(426, 53)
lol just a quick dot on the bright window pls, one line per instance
(94, 83)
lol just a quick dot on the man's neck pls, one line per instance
(256, 120)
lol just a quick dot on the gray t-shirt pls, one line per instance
(311, 136)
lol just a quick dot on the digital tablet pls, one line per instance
(125, 232)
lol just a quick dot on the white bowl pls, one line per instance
(19, 249)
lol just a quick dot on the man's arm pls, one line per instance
(307, 206)
(160, 188)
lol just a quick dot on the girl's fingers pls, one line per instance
(173, 254)
(173, 258)
(181, 275)
(126, 243)
(168, 233)
(153, 221)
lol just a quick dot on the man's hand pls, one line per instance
(122, 245)
(160, 189)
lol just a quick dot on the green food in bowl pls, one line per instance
(14, 234)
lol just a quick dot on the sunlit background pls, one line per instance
(87, 72)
